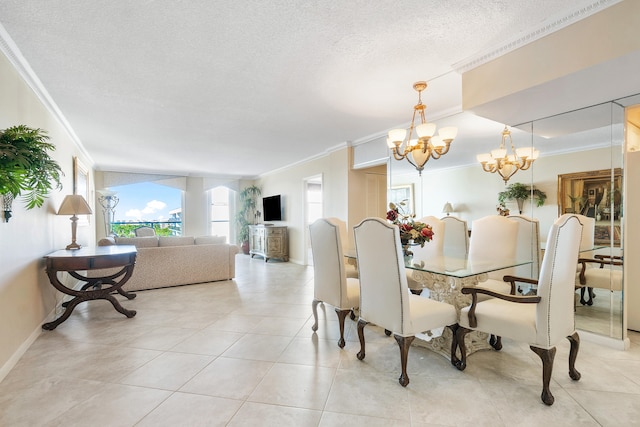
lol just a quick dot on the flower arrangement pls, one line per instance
(411, 231)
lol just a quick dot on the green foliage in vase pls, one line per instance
(519, 191)
(247, 212)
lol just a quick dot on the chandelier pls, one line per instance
(507, 164)
(422, 146)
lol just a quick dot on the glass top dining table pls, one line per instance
(444, 277)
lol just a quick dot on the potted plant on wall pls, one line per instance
(26, 169)
(520, 192)
(247, 214)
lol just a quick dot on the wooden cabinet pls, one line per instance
(269, 241)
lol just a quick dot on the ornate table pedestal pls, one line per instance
(447, 289)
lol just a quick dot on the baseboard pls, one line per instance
(15, 357)
(618, 344)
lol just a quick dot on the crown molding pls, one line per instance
(21, 65)
(550, 26)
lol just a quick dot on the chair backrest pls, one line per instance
(456, 237)
(555, 312)
(435, 247)
(494, 237)
(329, 277)
(588, 232)
(384, 293)
(528, 245)
(144, 232)
(342, 228)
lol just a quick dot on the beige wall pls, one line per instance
(474, 193)
(26, 297)
(289, 183)
(631, 202)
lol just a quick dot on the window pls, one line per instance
(219, 212)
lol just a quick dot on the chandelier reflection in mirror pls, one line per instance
(423, 145)
(507, 164)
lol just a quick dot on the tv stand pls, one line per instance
(269, 241)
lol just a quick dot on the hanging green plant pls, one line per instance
(26, 169)
(520, 192)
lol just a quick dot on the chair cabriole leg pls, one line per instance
(454, 344)
(361, 325)
(461, 364)
(404, 343)
(496, 342)
(547, 357)
(314, 308)
(342, 314)
(573, 354)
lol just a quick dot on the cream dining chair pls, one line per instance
(541, 320)
(330, 283)
(456, 237)
(350, 268)
(385, 299)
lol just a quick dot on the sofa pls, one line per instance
(164, 261)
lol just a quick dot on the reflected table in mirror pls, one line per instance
(76, 262)
(444, 277)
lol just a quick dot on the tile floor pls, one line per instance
(242, 353)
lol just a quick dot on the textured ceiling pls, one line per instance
(239, 88)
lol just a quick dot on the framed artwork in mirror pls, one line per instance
(596, 194)
(402, 193)
(81, 185)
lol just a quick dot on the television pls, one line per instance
(272, 208)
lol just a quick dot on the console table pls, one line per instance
(269, 241)
(73, 261)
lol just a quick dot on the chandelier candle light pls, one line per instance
(507, 164)
(423, 145)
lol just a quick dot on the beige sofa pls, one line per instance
(169, 261)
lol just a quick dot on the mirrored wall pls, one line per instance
(580, 169)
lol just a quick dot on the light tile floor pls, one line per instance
(242, 353)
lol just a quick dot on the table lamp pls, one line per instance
(74, 205)
(447, 208)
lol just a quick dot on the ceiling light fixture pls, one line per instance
(507, 164)
(418, 151)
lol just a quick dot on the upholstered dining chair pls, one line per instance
(385, 299)
(144, 232)
(601, 272)
(456, 237)
(494, 237)
(540, 320)
(330, 283)
(527, 246)
(587, 242)
(350, 268)
(431, 249)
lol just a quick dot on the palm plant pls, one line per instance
(26, 169)
(520, 192)
(247, 213)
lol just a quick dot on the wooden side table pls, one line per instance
(94, 288)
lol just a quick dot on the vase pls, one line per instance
(406, 250)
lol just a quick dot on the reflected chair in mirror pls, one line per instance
(527, 247)
(541, 320)
(456, 237)
(350, 268)
(601, 272)
(587, 243)
(432, 249)
(144, 232)
(385, 299)
(330, 283)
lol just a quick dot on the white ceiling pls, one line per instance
(237, 88)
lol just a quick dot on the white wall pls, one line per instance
(26, 297)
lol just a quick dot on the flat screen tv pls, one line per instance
(272, 208)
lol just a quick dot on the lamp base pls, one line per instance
(72, 246)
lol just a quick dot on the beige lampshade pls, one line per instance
(74, 204)
(447, 208)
